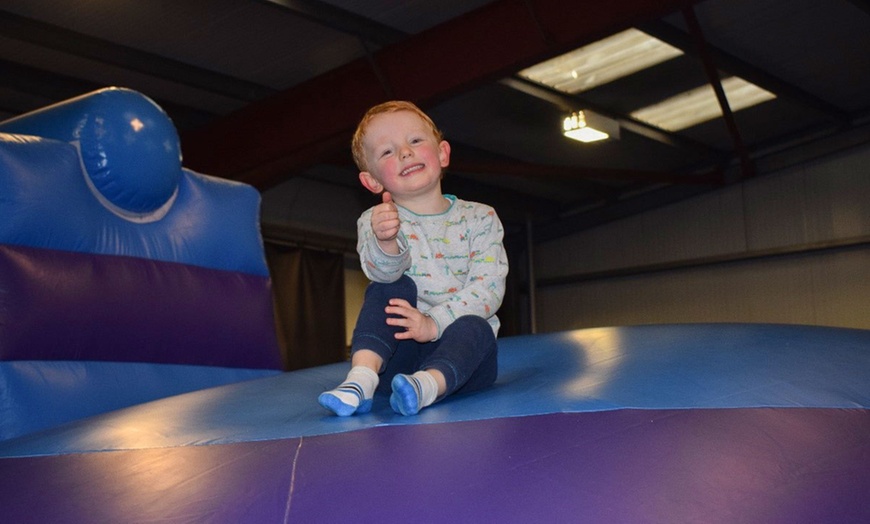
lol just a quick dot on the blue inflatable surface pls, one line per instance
(642, 367)
(112, 254)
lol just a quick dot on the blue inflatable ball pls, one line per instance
(130, 150)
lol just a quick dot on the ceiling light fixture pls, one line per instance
(601, 62)
(588, 126)
(700, 105)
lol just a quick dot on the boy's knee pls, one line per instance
(471, 328)
(473, 322)
(404, 288)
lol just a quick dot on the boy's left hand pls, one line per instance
(417, 326)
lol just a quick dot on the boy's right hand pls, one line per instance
(418, 326)
(385, 223)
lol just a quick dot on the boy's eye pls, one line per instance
(386, 152)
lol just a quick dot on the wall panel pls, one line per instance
(726, 249)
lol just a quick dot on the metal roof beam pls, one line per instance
(341, 20)
(38, 88)
(71, 42)
(735, 66)
(747, 167)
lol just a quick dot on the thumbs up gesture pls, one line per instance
(385, 223)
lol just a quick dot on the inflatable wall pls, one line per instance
(123, 276)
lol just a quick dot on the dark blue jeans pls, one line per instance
(466, 353)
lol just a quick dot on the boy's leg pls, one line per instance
(372, 347)
(466, 357)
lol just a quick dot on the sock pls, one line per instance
(411, 393)
(354, 395)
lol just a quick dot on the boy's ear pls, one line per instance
(444, 153)
(370, 182)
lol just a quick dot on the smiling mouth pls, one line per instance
(412, 169)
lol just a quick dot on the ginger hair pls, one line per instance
(385, 107)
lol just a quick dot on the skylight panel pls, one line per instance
(601, 62)
(700, 105)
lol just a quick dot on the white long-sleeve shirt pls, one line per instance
(456, 258)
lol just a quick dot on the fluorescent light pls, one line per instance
(700, 105)
(587, 126)
(601, 62)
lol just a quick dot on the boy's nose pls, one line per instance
(406, 152)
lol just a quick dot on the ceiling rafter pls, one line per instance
(38, 84)
(737, 67)
(60, 39)
(41, 84)
(341, 20)
(746, 164)
(51, 87)
(271, 139)
(862, 4)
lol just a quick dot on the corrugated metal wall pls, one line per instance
(789, 247)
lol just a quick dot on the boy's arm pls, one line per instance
(377, 265)
(485, 285)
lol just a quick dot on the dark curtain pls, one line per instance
(514, 307)
(308, 289)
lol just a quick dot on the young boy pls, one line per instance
(437, 267)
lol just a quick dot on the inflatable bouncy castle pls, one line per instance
(123, 276)
(140, 382)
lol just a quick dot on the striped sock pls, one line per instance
(411, 393)
(354, 395)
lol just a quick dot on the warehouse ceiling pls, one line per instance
(263, 91)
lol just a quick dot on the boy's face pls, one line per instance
(403, 156)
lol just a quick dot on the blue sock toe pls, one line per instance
(334, 404)
(406, 395)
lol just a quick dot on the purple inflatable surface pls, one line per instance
(714, 466)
